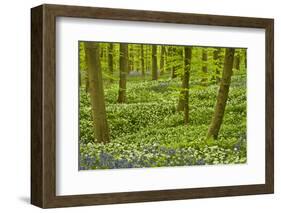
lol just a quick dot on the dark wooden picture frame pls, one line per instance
(43, 105)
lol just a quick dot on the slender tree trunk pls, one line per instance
(130, 59)
(101, 52)
(103, 55)
(123, 73)
(171, 56)
(222, 94)
(147, 58)
(154, 62)
(133, 54)
(173, 72)
(162, 60)
(245, 58)
(110, 61)
(183, 104)
(204, 63)
(236, 63)
(97, 93)
(180, 106)
(217, 63)
(142, 62)
(186, 77)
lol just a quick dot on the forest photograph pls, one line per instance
(156, 105)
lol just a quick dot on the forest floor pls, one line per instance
(147, 131)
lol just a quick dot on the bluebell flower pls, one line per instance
(171, 152)
(106, 160)
(200, 162)
(82, 168)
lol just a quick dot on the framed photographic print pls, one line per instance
(135, 106)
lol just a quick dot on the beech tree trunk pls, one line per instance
(123, 73)
(142, 62)
(147, 58)
(162, 60)
(110, 61)
(218, 63)
(236, 63)
(222, 94)
(97, 93)
(183, 104)
(130, 61)
(173, 72)
(204, 63)
(245, 58)
(154, 62)
(173, 68)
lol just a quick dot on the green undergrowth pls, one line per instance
(147, 131)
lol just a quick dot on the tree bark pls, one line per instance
(173, 72)
(222, 94)
(204, 63)
(236, 63)
(183, 104)
(245, 58)
(162, 60)
(147, 58)
(218, 63)
(186, 77)
(142, 62)
(130, 59)
(134, 56)
(110, 61)
(154, 62)
(97, 93)
(123, 73)
(171, 61)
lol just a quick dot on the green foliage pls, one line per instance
(148, 132)
(126, 118)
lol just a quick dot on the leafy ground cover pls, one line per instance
(147, 131)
